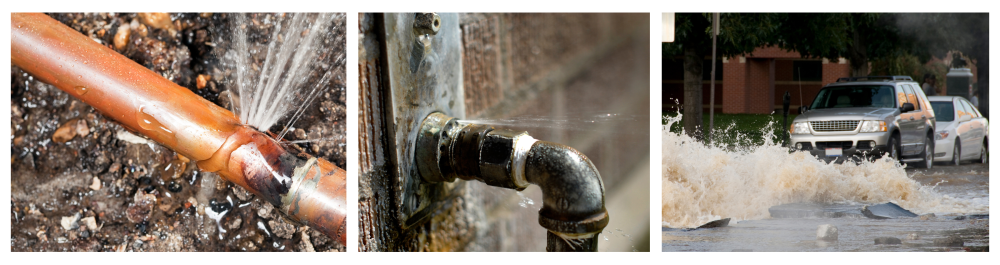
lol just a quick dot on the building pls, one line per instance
(756, 83)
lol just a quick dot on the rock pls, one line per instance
(121, 37)
(305, 245)
(951, 241)
(913, 236)
(81, 128)
(95, 184)
(157, 20)
(114, 167)
(927, 217)
(887, 241)
(202, 81)
(90, 223)
(885, 211)
(65, 132)
(827, 232)
(300, 134)
(42, 235)
(131, 138)
(70, 222)
(141, 207)
(717, 223)
(242, 193)
(265, 210)
(281, 228)
(235, 224)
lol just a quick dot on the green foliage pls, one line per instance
(822, 35)
(750, 126)
(739, 33)
(906, 64)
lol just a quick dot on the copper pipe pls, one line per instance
(310, 190)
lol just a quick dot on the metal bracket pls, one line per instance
(425, 76)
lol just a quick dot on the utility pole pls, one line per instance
(711, 97)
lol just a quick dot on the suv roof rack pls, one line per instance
(875, 77)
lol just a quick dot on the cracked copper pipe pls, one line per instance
(572, 190)
(308, 189)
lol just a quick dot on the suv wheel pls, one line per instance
(956, 154)
(928, 154)
(893, 148)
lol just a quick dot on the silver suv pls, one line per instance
(868, 117)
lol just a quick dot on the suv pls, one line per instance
(868, 117)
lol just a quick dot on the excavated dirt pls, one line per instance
(80, 182)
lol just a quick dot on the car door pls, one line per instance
(972, 128)
(903, 121)
(912, 141)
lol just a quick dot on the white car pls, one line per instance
(959, 122)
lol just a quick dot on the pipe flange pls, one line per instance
(589, 225)
(432, 148)
(466, 149)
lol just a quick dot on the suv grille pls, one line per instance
(842, 145)
(834, 126)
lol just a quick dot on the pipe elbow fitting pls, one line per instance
(572, 189)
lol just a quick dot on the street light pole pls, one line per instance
(711, 97)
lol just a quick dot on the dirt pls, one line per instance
(103, 190)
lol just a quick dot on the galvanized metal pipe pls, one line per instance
(572, 189)
(310, 190)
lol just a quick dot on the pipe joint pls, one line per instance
(572, 190)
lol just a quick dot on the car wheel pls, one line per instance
(983, 155)
(956, 154)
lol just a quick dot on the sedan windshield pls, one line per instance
(875, 96)
(943, 110)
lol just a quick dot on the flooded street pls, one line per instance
(777, 200)
(793, 227)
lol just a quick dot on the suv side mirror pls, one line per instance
(803, 109)
(964, 118)
(907, 107)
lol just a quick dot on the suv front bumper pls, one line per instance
(817, 145)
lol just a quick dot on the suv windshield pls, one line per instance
(873, 96)
(943, 110)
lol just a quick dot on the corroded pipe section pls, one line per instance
(309, 190)
(572, 189)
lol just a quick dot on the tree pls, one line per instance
(860, 37)
(738, 34)
(937, 34)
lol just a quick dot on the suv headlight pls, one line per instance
(800, 128)
(873, 126)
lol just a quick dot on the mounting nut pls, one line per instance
(427, 23)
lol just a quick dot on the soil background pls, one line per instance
(103, 190)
